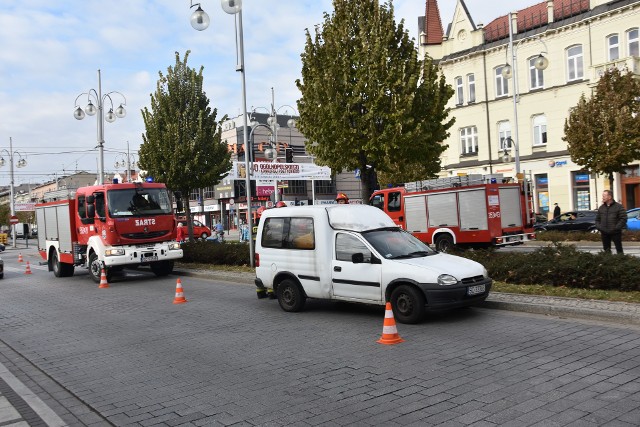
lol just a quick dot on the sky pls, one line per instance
(50, 52)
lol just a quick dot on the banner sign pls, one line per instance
(281, 171)
(25, 207)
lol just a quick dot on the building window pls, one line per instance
(195, 195)
(632, 42)
(459, 91)
(581, 193)
(502, 84)
(542, 193)
(539, 130)
(575, 65)
(325, 187)
(613, 47)
(504, 135)
(296, 187)
(469, 140)
(471, 83)
(536, 77)
(209, 193)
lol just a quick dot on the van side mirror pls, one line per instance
(357, 258)
(90, 199)
(91, 209)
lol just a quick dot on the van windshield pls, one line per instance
(137, 202)
(395, 243)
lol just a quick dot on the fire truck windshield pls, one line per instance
(134, 202)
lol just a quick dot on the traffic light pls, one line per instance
(288, 155)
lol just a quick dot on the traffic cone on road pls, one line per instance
(27, 269)
(389, 332)
(20, 257)
(179, 298)
(103, 279)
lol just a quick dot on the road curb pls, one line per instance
(569, 312)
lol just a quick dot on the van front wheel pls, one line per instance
(290, 296)
(407, 303)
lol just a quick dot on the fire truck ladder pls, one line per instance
(454, 181)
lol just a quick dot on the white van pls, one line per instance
(356, 253)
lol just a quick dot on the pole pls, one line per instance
(245, 136)
(274, 134)
(100, 131)
(11, 204)
(516, 142)
(128, 164)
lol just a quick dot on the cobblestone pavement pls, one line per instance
(73, 354)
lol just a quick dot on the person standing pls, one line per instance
(610, 220)
(180, 237)
(556, 210)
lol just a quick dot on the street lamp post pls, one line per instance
(511, 71)
(200, 21)
(110, 117)
(125, 160)
(19, 164)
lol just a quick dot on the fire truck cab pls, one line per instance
(472, 210)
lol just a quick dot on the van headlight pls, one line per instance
(114, 252)
(174, 245)
(446, 280)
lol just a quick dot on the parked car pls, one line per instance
(570, 221)
(199, 229)
(633, 219)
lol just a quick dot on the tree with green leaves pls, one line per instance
(182, 146)
(368, 102)
(603, 132)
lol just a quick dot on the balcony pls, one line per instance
(631, 63)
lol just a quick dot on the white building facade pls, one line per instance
(580, 39)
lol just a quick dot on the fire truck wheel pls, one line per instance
(95, 268)
(162, 268)
(407, 303)
(61, 269)
(444, 243)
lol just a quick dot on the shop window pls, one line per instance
(581, 193)
(542, 193)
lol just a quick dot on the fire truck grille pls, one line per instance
(150, 235)
(472, 280)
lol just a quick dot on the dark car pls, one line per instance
(570, 221)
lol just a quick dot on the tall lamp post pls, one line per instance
(90, 109)
(200, 21)
(126, 160)
(22, 162)
(509, 71)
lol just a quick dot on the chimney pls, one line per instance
(549, 11)
(514, 22)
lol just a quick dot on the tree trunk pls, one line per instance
(187, 212)
(611, 184)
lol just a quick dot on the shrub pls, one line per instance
(208, 252)
(561, 265)
(576, 236)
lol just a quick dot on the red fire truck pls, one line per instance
(110, 226)
(473, 210)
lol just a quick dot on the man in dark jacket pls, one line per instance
(610, 220)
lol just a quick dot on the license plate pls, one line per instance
(514, 239)
(149, 258)
(475, 290)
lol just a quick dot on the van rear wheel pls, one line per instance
(407, 303)
(290, 296)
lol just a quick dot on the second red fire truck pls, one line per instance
(472, 210)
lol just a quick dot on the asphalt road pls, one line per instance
(127, 355)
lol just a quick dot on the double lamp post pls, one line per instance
(22, 162)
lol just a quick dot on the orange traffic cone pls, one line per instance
(103, 280)
(389, 332)
(20, 257)
(179, 299)
(27, 269)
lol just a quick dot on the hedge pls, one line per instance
(209, 252)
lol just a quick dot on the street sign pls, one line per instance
(13, 220)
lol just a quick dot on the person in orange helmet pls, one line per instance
(342, 199)
(281, 204)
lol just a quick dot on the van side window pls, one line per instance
(82, 207)
(347, 245)
(378, 201)
(301, 234)
(393, 202)
(273, 232)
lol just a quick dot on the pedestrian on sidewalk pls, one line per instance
(610, 220)
(556, 210)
